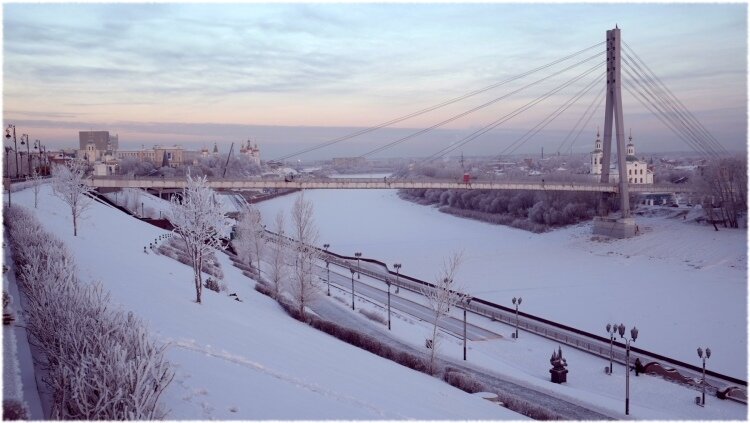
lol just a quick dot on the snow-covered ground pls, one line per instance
(526, 362)
(683, 285)
(244, 360)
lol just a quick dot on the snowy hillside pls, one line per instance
(244, 360)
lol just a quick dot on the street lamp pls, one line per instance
(397, 266)
(517, 303)
(15, 146)
(328, 269)
(358, 256)
(466, 301)
(388, 282)
(25, 141)
(38, 152)
(633, 336)
(352, 270)
(703, 380)
(612, 331)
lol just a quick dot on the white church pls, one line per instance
(638, 171)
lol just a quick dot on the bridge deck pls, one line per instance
(229, 183)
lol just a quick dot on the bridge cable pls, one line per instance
(442, 152)
(669, 108)
(645, 103)
(688, 133)
(547, 120)
(474, 109)
(661, 116)
(674, 97)
(434, 107)
(588, 112)
(663, 106)
(601, 98)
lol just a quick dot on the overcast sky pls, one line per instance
(290, 76)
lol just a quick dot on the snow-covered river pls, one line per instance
(681, 284)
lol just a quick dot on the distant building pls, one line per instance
(252, 152)
(349, 162)
(160, 156)
(638, 171)
(96, 146)
(102, 140)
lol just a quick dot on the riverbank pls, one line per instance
(651, 281)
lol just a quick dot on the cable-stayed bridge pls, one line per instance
(601, 64)
(376, 183)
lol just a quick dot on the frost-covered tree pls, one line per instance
(440, 298)
(36, 184)
(302, 284)
(724, 186)
(278, 259)
(199, 223)
(68, 184)
(251, 239)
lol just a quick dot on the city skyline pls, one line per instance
(292, 76)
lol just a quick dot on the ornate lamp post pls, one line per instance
(358, 256)
(38, 152)
(353, 271)
(633, 336)
(517, 303)
(328, 269)
(466, 300)
(397, 266)
(25, 141)
(15, 146)
(612, 331)
(703, 380)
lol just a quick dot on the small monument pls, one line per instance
(558, 371)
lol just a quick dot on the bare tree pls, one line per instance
(251, 236)
(724, 181)
(68, 184)
(199, 223)
(302, 283)
(441, 298)
(36, 184)
(278, 260)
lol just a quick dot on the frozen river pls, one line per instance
(681, 284)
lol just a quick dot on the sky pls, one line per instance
(296, 75)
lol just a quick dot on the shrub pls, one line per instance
(212, 284)
(14, 410)
(100, 362)
(374, 316)
(463, 381)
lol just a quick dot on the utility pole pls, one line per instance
(227, 163)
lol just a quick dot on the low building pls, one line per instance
(160, 156)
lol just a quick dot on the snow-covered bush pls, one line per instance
(463, 381)
(100, 363)
(14, 410)
(212, 285)
(174, 248)
(374, 316)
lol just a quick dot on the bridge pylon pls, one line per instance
(623, 226)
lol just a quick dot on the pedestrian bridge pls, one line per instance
(375, 183)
